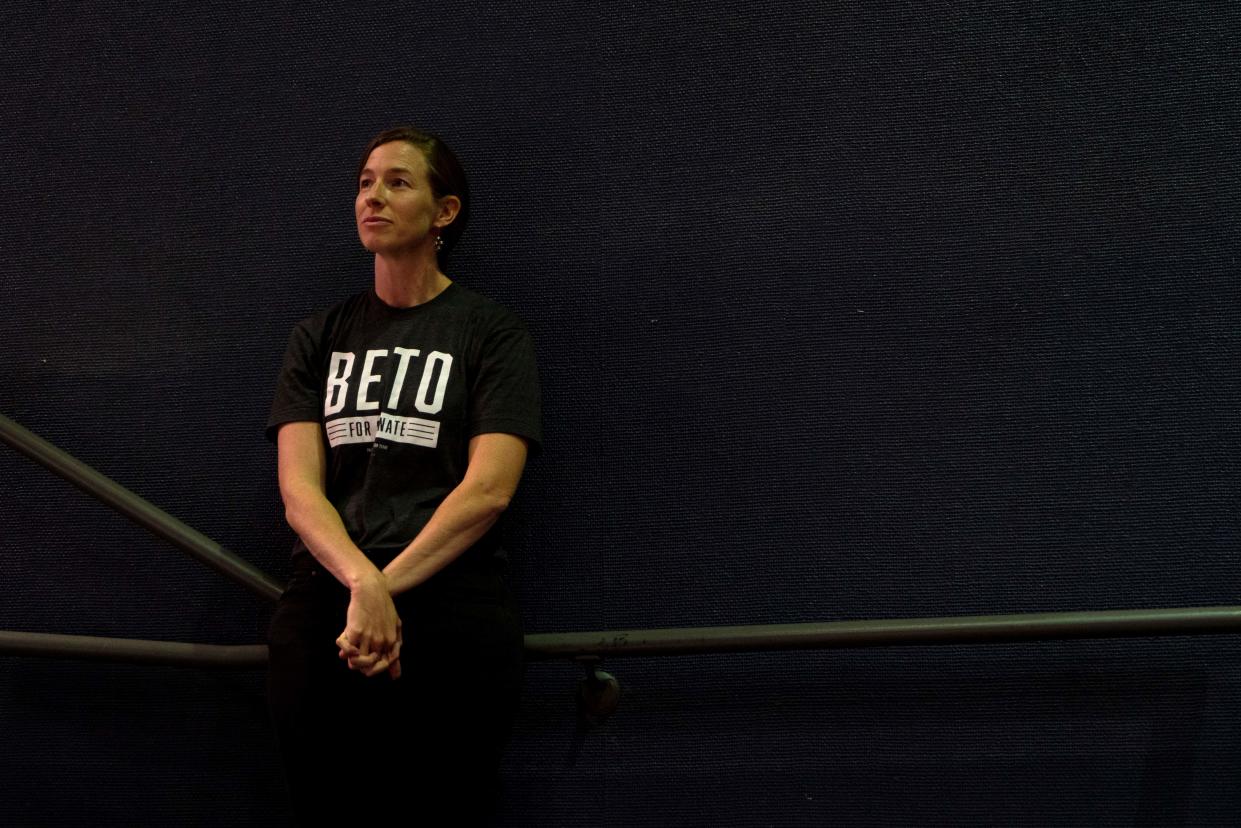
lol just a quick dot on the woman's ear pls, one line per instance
(450, 206)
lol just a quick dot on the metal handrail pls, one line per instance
(966, 629)
(140, 511)
(969, 629)
(132, 650)
(575, 645)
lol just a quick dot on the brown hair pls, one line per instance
(444, 173)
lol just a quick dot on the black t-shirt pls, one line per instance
(400, 392)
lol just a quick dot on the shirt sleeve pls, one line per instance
(504, 396)
(299, 388)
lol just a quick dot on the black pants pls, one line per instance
(408, 750)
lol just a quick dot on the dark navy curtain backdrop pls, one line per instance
(843, 311)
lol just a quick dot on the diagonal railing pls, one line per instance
(142, 512)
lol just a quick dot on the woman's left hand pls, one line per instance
(371, 664)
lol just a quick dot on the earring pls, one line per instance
(439, 243)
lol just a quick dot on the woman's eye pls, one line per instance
(364, 183)
(400, 182)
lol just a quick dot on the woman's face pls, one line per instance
(395, 208)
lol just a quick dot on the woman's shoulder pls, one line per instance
(487, 312)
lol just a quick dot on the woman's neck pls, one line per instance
(405, 281)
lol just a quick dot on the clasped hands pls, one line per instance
(371, 641)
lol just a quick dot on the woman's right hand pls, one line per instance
(371, 641)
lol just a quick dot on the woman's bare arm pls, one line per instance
(372, 625)
(496, 462)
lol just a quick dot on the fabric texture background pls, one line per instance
(860, 311)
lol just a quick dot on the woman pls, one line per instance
(403, 417)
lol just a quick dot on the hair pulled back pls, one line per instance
(444, 173)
